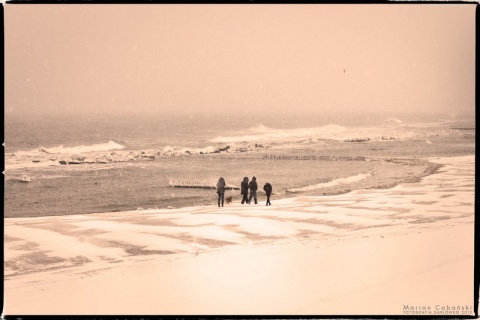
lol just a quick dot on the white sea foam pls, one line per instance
(335, 182)
(388, 130)
(393, 121)
(168, 150)
(260, 128)
(109, 153)
(110, 145)
(254, 138)
(266, 134)
(42, 157)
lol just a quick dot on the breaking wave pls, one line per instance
(391, 129)
(110, 152)
(260, 128)
(252, 139)
(262, 133)
(393, 121)
(110, 145)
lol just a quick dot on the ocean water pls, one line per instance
(65, 164)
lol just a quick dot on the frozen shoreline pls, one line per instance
(408, 245)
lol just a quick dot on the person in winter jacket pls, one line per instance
(244, 190)
(221, 190)
(253, 190)
(268, 190)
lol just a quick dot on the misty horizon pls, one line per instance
(235, 60)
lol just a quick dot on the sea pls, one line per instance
(60, 164)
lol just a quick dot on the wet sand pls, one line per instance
(364, 252)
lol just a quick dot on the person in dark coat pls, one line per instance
(268, 190)
(244, 190)
(221, 190)
(253, 190)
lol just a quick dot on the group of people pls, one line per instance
(244, 190)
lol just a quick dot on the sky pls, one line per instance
(239, 59)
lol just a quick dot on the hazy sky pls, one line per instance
(240, 58)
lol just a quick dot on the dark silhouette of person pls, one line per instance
(268, 190)
(253, 190)
(244, 190)
(221, 190)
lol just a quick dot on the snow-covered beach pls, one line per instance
(404, 250)
(121, 119)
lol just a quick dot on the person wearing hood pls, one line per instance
(253, 190)
(268, 190)
(221, 190)
(244, 190)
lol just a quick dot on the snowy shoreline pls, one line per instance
(305, 255)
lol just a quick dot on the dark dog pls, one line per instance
(228, 199)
